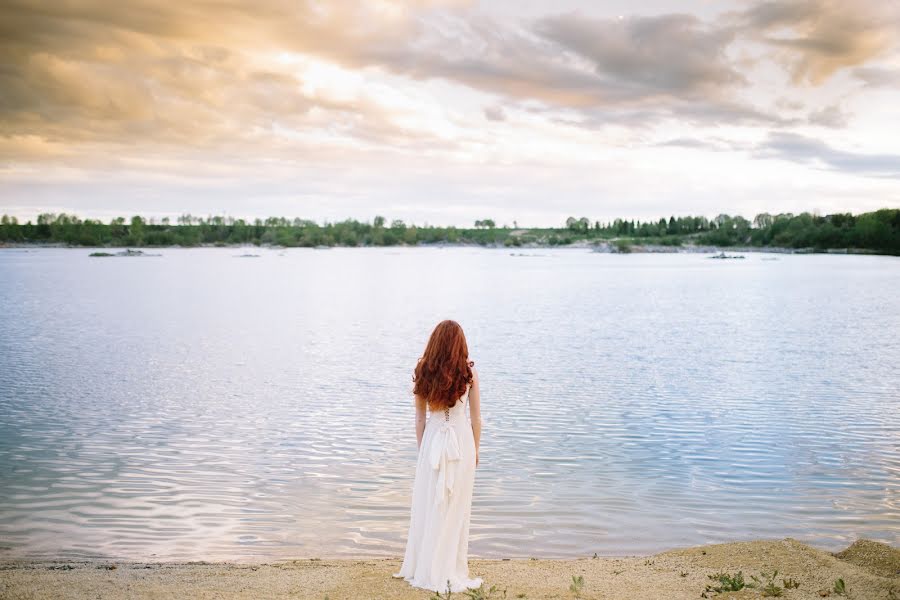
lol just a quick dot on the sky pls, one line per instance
(446, 111)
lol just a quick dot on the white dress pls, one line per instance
(437, 546)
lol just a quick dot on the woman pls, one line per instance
(437, 546)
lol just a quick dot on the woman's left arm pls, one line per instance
(475, 411)
(420, 420)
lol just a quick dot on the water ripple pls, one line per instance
(201, 407)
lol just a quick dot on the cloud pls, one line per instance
(801, 149)
(494, 113)
(641, 57)
(277, 92)
(830, 116)
(636, 69)
(591, 72)
(189, 74)
(711, 143)
(687, 142)
(817, 38)
(198, 74)
(878, 77)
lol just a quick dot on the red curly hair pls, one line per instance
(444, 371)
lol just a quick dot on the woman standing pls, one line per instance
(437, 546)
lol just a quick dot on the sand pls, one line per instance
(870, 570)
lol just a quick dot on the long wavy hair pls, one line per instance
(444, 371)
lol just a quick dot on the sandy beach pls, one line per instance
(870, 571)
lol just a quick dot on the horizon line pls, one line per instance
(388, 223)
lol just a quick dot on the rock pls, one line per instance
(126, 252)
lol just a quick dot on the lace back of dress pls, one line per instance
(460, 402)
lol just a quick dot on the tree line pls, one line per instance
(877, 231)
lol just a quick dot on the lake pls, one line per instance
(203, 405)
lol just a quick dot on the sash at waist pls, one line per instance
(444, 458)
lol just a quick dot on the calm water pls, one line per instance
(200, 405)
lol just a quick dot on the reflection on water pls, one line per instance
(200, 405)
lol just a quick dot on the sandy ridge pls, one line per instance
(870, 570)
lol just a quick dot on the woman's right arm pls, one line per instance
(475, 411)
(420, 420)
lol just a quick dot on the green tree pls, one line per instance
(136, 231)
(763, 220)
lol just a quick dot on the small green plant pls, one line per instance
(726, 582)
(520, 595)
(577, 584)
(486, 594)
(444, 596)
(767, 585)
(790, 584)
(840, 588)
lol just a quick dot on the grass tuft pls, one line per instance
(577, 584)
(445, 596)
(492, 593)
(840, 588)
(726, 582)
(790, 584)
(767, 585)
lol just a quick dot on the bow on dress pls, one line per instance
(444, 457)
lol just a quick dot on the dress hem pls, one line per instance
(455, 586)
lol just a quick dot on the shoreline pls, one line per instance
(870, 571)
(601, 247)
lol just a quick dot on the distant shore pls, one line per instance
(877, 232)
(609, 247)
(864, 571)
(872, 232)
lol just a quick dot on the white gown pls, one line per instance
(437, 546)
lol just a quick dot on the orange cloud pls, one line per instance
(817, 38)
